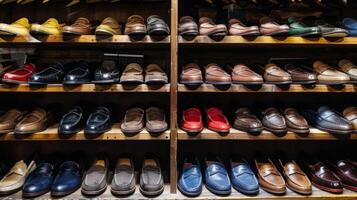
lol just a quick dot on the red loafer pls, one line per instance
(192, 120)
(21, 75)
(216, 121)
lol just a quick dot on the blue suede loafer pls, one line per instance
(216, 177)
(68, 179)
(190, 182)
(243, 178)
(39, 181)
(351, 25)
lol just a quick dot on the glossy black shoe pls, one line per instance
(80, 73)
(52, 74)
(98, 122)
(107, 73)
(72, 122)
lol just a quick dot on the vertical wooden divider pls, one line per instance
(173, 96)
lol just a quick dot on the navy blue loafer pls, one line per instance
(216, 176)
(243, 178)
(190, 182)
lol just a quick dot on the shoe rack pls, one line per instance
(174, 143)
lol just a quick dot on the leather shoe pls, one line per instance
(151, 179)
(243, 178)
(52, 74)
(275, 75)
(106, 73)
(98, 122)
(300, 75)
(216, 121)
(246, 121)
(20, 75)
(36, 121)
(241, 74)
(349, 68)
(191, 74)
(215, 75)
(188, 26)
(192, 120)
(216, 176)
(123, 182)
(72, 122)
(329, 75)
(208, 27)
(82, 26)
(157, 26)
(269, 177)
(351, 115)
(9, 120)
(132, 74)
(295, 122)
(80, 73)
(190, 181)
(347, 172)
(274, 121)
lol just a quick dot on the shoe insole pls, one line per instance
(100, 163)
(124, 161)
(150, 162)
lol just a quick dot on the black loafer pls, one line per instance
(51, 75)
(157, 26)
(80, 74)
(98, 122)
(71, 122)
(107, 73)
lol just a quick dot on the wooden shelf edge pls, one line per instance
(234, 134)
(84, 88)
(294, 88)
(114, 134)
(268, 40)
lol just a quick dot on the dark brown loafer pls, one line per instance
(241, 74)
(81, 26)
(274, 121)
(246, 121)
(215, 75)
(275, 75)
(295, 122)
(300, 75)
(151, 179)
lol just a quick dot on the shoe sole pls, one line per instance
(6, 131)
(332, 83)
(280, 33)
(102, 32)
(152, 193)
(119, 193)
(248, 83)
(219, 83)
(62, 194)
(94, 192)
(247, 192)
(96, 132)
(300, 131)
(193, 83)
(132, 81)
(14, 82)
(10, 191)
(156, 130)
(334, 131)
(27, 132)
(218, 192)
(159, 31)
(298, 191)
(75, 82)
(192, 131)
(6, 33)
(132, 131)
(34, 194)
(253, 33)
(106, 81)
(248, 130)
(331, 190)
(191, 33)
(304, 82)
(68, 132)
(273, 191)
(279, 82)
(309, 34)
(156, 82)
(218, 131)
(350, 187)
(278, 131)
(189, 194)
(38, 32)
(335, 34)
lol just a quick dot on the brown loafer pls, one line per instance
(133, 74)
(215, 75)
(241, 74)
(36, 121)
(351, 115)
(269, 177)
(246, 121)
(81, 26)
(155, 120)
(300, 75)
(349, 68)
(208, 27)
(188, 26)
(274, 121)
(329, 75)
(133, 121)
(9, 120)
(296, 179)
(296, 122)
(275, 75)
(135, 26)
(236, 27)
(191, 75)
(108, 27)
(155, 75)
(269, 27)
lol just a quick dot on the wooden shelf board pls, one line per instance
(267, 40)
(114, 134)
(234, 134)
(269, 88)
(84, 88)
(52, 39)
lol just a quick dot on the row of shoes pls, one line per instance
(70, 3)
(321, 73)
(73, 121)
(272, 175)
(268, 27)
(81, 72)
(135, 26)
(61, 176)
(275, 120)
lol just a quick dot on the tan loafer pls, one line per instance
(191, 75)
(275, 75)
(81, 26)
(349, 68)
(108, 27)
(155, 75)
(351, 115)
(9, 120)
(329, 75)
(133, 74)
(215, 75)
(269, 177)
(135, 26)
(36, 121)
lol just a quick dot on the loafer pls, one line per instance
(155, 120)
(347, 172)
(351, 25)
(295, 122)
(19, 76)
(80, 73)
(191, 74)
(328, 30)
(7, 66)
(36, 121)
(274, 121)
(68, 178)
(328, 120)
(49, 27)
(329, 75)
(52, 74)
(216, 176)
(188, 26)
(216, 121)
(20, 27)
(123, 182)
(14, 180)
(157, 26)
(349, 68)
(72, 122)
(246, 121)
(95, 180)
(108, 27)
(243, 178)
(151, 179)
(192, 120)
(40, 180)
(10, 119)
(98, 122)
(241, 74)
(270, 27)
(190, 181)
(300, 75)
(133, 121)
(351, 115)
(208, 27)
(296, 180)
(298, 28)
(82, 26)
(269, 177)
(275, 75)
(236, 27)
(135, 26)
(154, 74)
(215, 75)
(132, 74)
(107, 73)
